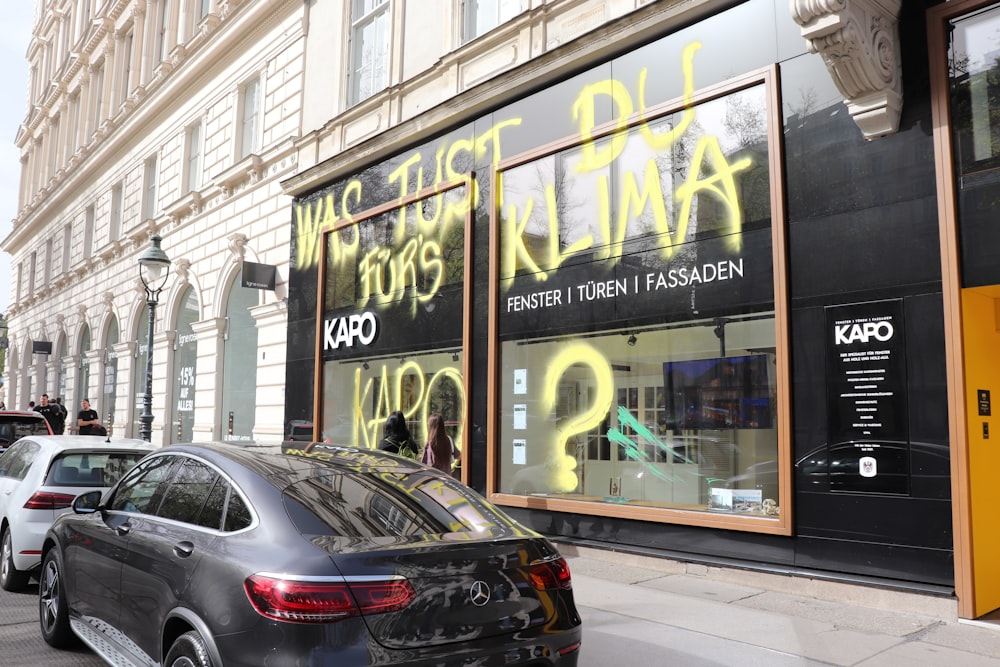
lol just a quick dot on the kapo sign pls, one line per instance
(862, 332)
(349, 330)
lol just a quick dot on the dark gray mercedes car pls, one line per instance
(229, 555)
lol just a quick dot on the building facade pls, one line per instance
(688, 278)
(168, 117)
(710, 279)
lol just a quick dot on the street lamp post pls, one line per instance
(154, 266)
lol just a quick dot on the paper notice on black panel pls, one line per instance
(867, 379)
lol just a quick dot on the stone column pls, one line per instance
(209, 360)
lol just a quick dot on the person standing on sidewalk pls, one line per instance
(52, 413)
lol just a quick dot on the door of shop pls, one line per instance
(965, 86)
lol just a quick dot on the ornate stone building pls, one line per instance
(168, 117)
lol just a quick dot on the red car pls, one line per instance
(15, 424)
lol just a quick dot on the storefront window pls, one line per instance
(637, 327)
(974, 69)
(393, 322)
(185, 358)
(239, 383)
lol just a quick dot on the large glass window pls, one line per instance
(974, 69)
(393, 321)
(637, 352)
(239, 376)
(185, 359)
(370, 38)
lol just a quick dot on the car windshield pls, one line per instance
(94, 469)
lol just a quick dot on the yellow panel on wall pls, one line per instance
(982, 368)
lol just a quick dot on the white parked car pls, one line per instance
(40, 475)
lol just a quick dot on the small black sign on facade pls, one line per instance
(984, 402)
(259, 276)
(41, 347)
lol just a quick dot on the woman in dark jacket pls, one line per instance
(396, 437)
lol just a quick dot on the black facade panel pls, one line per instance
(884, 561)
(624, 533)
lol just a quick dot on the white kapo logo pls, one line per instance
(347, 331)
(862, 332)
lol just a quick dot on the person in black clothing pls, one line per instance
(396, 436)
(53, 415)
(87, 419)
(62, 412)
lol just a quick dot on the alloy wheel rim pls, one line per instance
(5, 557)
(49, 595)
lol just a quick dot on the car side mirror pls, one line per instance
(87, 503)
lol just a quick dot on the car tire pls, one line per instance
(11, 579)
(53, 611)
(188, 650)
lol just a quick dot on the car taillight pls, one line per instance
(325, 601)
(44, 500)
(550, 574)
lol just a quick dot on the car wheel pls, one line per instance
(53, 612)
(11, 579)
(188, 651)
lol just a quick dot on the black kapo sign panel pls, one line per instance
(869, 448)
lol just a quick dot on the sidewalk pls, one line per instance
(820, 622)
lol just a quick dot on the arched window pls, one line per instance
(239, 374)
(83, 376)
(61, 372)
(139, 370)
(185, 357)
(110, 370)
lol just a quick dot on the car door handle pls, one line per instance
(124, 529)
(184, 549)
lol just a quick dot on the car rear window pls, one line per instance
(15, 427)
(388, 505)
(94, 469)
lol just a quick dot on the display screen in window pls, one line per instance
(727, 392)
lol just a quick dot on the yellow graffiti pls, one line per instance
(722, 184)
(407, 389)
(668, 139)
(585, 115)
(313, 219)
(709, 173)
(386, 276)
(561, 465)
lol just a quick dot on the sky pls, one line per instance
(15, 33)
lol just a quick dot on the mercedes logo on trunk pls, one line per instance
(479, 593)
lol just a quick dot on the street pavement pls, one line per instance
(650, 612)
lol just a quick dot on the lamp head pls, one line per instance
(154, 266)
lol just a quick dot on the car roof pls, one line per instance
(21, 414)
(299, 460)
(66, 442)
